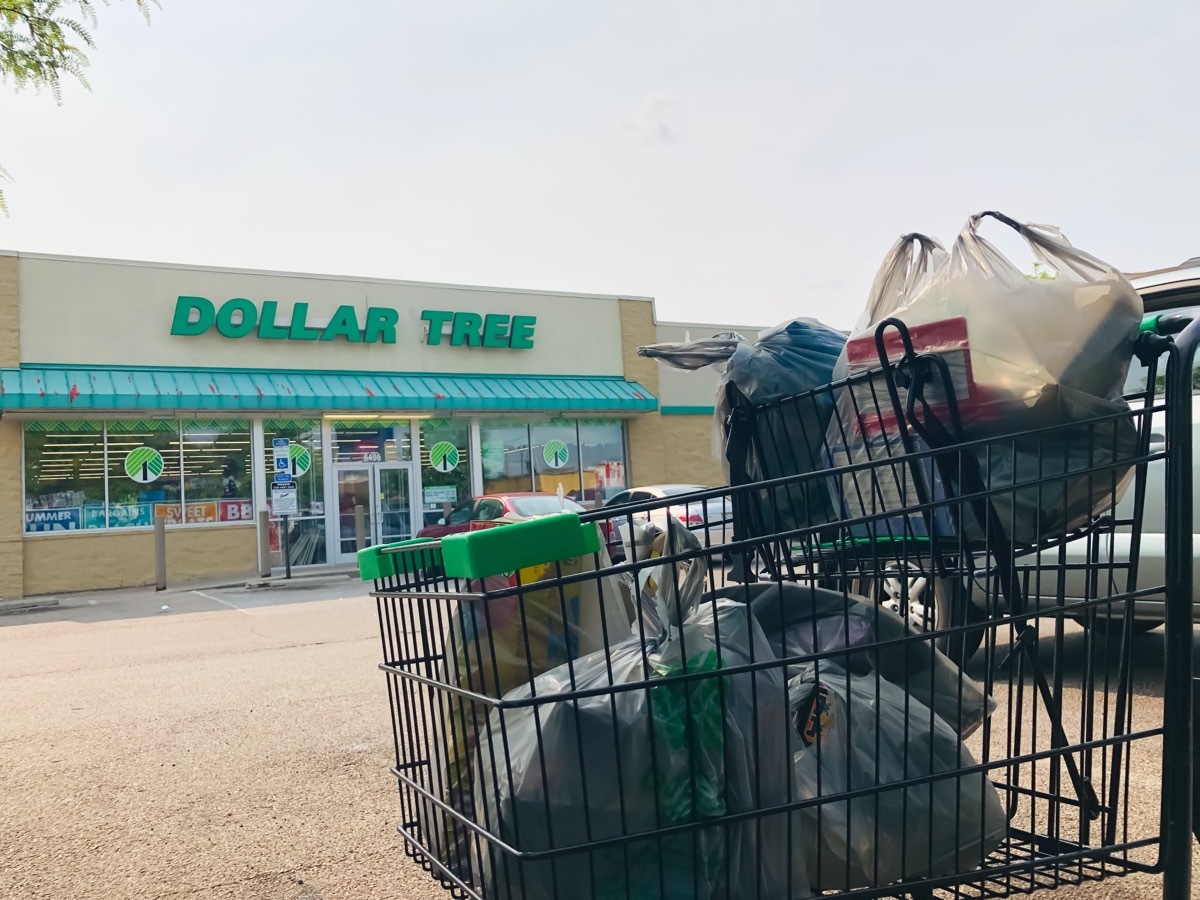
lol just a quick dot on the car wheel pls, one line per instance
(929, 603)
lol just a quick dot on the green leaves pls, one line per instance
(43, 41)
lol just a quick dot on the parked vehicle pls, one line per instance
(489, 507)
(711, 519)
(1175, 293)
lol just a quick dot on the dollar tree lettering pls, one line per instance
(143, 464)
(555, 454)
(444, 456)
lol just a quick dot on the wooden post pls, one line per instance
(264, 544)
(160, 553)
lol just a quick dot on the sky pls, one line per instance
(740, 162)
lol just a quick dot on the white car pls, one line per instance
(711, 520)
(1167, 292)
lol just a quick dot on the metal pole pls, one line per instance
(285, 542)
(1177, 683)
(360, 527)
(160, 553)
(264, 544)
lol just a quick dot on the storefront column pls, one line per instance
(12, 517)
(258, 475)
(648, 446)
(475, 454)
(10, 312)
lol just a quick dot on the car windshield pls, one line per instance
(542, 505)
(674, 490)
(460, 515)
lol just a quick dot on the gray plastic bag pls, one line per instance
(631, 761)
(801, 619)
(855, 732)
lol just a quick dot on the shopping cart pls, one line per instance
(565, 728)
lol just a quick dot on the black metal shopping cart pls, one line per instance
(928, 688)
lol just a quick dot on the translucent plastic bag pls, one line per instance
(627, 762)
(906, 270)
(1022, 353)
(801, 619)
(856, 732)
(796, 358)
(1014, 342)
(792, 358)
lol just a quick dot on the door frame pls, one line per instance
(333, 510)
(376, 471)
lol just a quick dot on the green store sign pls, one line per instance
(240, 318)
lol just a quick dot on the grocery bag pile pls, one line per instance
(706, 754)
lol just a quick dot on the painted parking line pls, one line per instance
(222, 602)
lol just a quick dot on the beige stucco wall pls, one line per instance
(680, 387)
(575, 334)
(689, 458)
(10, 311)
(644, 432)
(114, 559)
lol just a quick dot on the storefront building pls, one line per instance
(135, 390)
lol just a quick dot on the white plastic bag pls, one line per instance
(857, 732)
(906, 270)
(1021, 352)
(1014, 343)
(648, 756)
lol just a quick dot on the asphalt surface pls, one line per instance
(236, 745)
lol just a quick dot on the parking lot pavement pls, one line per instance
(235, 745)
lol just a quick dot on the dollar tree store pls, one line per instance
(130, 390)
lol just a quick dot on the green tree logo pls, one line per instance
(555, 454)
(143, 464)
(444, 456)
(301, 459)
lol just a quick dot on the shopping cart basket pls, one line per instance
(565, 728)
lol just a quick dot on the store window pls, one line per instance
(64, 476)
(504, 452)
(555, 449)
(445, 467)
(370, 440)
(124, 473)
(306, 530)
(143, 473)
(602, 457)
(216, 471)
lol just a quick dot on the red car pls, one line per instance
(524, 505)
(496, 506)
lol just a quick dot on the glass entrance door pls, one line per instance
(393, 511)
(382, 490)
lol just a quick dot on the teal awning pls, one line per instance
(63, 388)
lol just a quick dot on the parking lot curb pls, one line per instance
(12, 607)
